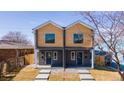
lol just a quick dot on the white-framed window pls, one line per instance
(55, 55)
(72, 55)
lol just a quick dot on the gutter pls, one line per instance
(64, 42)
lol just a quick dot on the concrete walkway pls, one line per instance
(85, 75)
(57, 69)
(44, 73)
(46, 70)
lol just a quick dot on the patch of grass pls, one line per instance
(64, 76)
(105, 75)
(28, 73)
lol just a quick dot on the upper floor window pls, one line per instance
(50, 38)
(78, 38)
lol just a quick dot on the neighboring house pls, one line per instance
(13, 54)
(64, 46)
(13, 50)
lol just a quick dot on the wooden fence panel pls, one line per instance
(100, 60)
(29, 59)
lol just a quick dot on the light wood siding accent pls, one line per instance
(87, 34)
(49, 28)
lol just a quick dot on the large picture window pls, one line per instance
(50, 38)
(78, 38)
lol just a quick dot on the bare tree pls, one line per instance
(109, 26)
(98, 42)
(16, 37)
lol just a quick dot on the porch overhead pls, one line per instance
(77, 48)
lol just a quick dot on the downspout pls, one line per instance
(93, 54)
(35, 48)
(64, 54)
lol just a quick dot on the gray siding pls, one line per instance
(69, 62)
(59, 60)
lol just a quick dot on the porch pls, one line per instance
(65, 58)
(78, 58)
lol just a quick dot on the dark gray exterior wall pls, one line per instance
(86, 62)
(54, 63)
(69, 62)
(59, 61)
(87, 58)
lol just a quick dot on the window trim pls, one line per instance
(45, 37)
(55, 58)
(74, 39)
(73, 58)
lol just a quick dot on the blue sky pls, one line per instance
(25, 21)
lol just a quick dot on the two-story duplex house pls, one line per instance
(64, 46)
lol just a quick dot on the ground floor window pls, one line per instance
(72, 55)
(55, 55)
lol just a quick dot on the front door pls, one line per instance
(79, 58)
(48, 57)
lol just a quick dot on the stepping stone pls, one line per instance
(44, 67)
(86, 77)
(57, 69)
(84, 71)
(45, 71)
(40, 80)
(71, 70)
(42, 76)
(88, 80)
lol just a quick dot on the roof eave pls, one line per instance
(88, 26)
(34, 29)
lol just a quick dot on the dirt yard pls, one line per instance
(64, 76)
(26, 74)
(104, 75)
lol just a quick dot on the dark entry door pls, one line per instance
(79, 58)
(48, 57)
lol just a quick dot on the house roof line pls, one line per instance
(68, 26)
(43, 24)
(4, 44)
(79, 21)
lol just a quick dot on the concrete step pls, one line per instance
(44, 71)
(42, 76)
(84, 71)
(86, 77)
(57, 69)
(44, 67)
(40, 80)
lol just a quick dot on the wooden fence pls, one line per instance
(100, 60)
(13, 63)
(29, 59)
